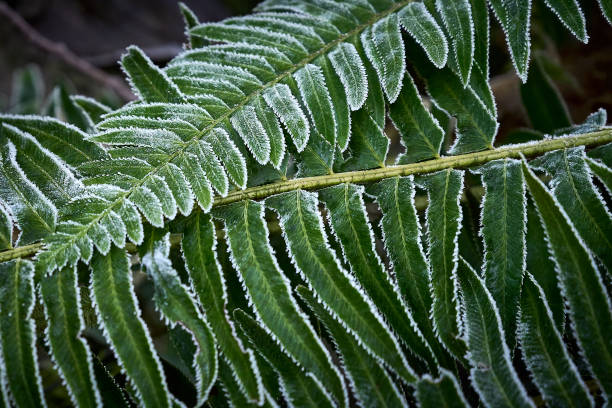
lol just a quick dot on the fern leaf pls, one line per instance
(603, 173)
(315, 95)
(385, 49)
(176, 304)
(514, 17)
(503, 225)
(476, 126)
(6, 228)
(402, 239)
(307, 245)
(119, 316)
(149, 82)
(368, 379)
(273, 130)
(215, 173)
(62, 302)
(252, 132)
(232, 159)
(66, 141)
(196, 177)
(269, 292)
(149, 205)
(444, 391)
(34, 213)
(179, 187)
(589, 307)
(570, 14)
(152, 114)
(19, 368)
(542, 267)
(482, 28)
(199, 251)
(298, 389)
(93, 108)
(191, 20)
(492, 373)
(349, 223)
(420, 132)
(286, 107)
(443, 219)
(42, 168)
(606, 9)
(546, 356)
(341, 110)
(457, 18)
(572, 186)
(421, 25)
(351, 71)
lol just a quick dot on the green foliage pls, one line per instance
(247, 197)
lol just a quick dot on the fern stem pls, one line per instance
(529, 149)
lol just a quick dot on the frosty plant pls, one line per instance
(251, 196)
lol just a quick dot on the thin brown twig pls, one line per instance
(63, 53)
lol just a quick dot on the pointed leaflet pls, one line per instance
(252, 132)
(149, 205)
(94, 109)
(541, 266)
(603, 173)
(542, 100)
(476, 127)
(195, 175)
(269, 292)
(457, 17)
(34, 213)
(350, 69)
(606, 9)
(482, 28)
(341, 110)
(402, 239)
(571, 16)
(443, 219)
(273, 130)
(514, 17)
(545, 354)
(421, 26)
(191, 20)
(369, 145)
(62, 302)
(149, 82)
(492, 373)
(18, 334)
(308, 247)
(212, 166)
(298, 388)
(420, 132)
(287, 108)
(71, 112)
(66, 141)
(199, 250)
(177, 306)
(369, 381)
(232, 159)
(119, 316)
(442, 392)
(349, 222)
(589, 307)
(385, 49)
(52, 177)
(6, 228)
(315, 95)
(572, 186)
(231, 387)
(503, 224)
